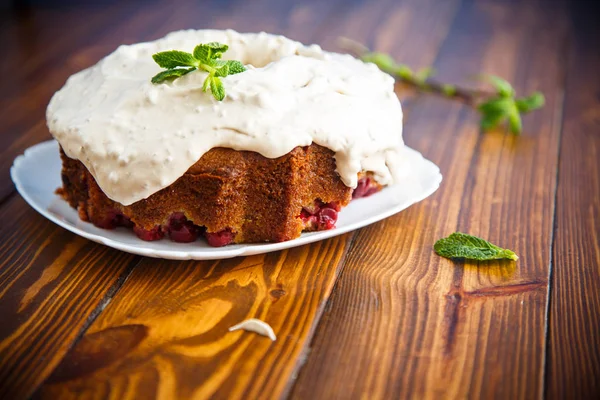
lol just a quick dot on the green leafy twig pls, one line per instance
(497, 107)
(206, 57)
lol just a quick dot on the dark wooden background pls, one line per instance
(370, 314)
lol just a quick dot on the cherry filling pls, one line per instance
(366, 187)
(327, 218)
(124, 221)
(181, 229)
(221, 238)
(151, 235)
(113, 219)
(178, 227)
(320, 216)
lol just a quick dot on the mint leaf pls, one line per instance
(208, 52)
(491, 120)
(463, 246)
(171, 74)
(206, 83)
(404, 72)
(494, 112)
(174, 58)
(503, 88)
(205, 57)
(502, 105)
(497, 110)
(514, 120)
(530, 103)
(383, 61)
(230, 67)
(217, 89)
(235, 67)
(217, 47)
(221, 68)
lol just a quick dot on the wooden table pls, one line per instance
(369, 314)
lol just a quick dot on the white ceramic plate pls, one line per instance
(36, 175)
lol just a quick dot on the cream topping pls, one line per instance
(256, 326)
(137, 138)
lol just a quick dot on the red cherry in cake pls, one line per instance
(306, 216)
(112, 219)
(365, 187)
(361, 188)
(149, 235)
(334, 205)
(181, 229)
(327, 218)
(124, 221)
(321, 216)
(219, 239)
(372, 190)
(109, 221)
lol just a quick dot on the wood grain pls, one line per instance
(165, 332)
(573, 365)
(51, 283)
(400, 321)
(424, 327)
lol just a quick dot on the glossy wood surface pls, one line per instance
(370, 314)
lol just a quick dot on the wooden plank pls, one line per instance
(51, 283)
(573, 363)
(404, 323)
(174, 316)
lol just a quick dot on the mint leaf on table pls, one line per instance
(206, 57)
(463, 246)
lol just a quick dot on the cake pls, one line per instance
(298, 135)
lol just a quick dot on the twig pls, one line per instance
(496, 108)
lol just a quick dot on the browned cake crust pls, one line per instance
(251, 197)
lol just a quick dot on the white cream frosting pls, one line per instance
(137, 138)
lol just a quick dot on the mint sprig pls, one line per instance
(498, 107)
(206, 57)
(463, 246)
(503, 107)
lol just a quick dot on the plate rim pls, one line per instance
(227, 251)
